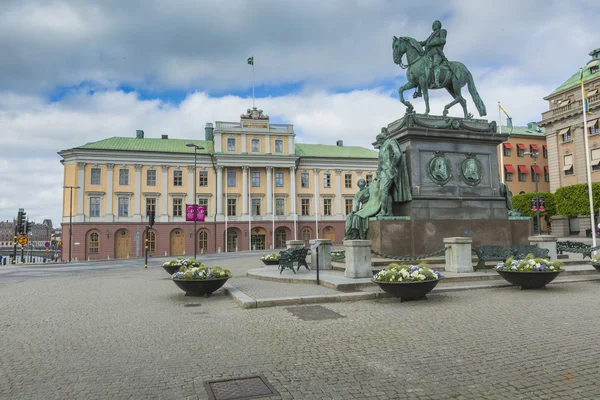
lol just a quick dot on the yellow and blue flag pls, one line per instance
(508, 120)
(586, 104)
(251, 61)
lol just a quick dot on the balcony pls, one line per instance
(575, 106)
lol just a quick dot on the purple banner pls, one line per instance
(189, 212)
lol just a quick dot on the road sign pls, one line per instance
(23, 240)
(59, 243)
(47, 244)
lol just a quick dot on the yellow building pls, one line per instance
(260, 188)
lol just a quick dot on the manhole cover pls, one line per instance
(313, 313)
(192, 305)
(248, 387)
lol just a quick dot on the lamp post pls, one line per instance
(70, 219)
(196, 148)
(587, 156)
(534, 155)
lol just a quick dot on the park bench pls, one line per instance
(520, 251)
(574, 247)
(489, 253)
(288, 257)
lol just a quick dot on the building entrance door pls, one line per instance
(177, 245)
(122, 243)
(258, 242)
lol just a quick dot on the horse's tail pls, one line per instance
(475, 95)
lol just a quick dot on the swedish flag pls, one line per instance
(251, 61)
(509, 122)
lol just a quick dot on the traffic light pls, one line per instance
(151, 218)
(28, 225)
(20, 217)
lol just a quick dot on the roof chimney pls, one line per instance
(208, 132)
(165, 136)
(340, 143)
(139, 134)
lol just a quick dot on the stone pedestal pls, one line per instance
(324, 254)
(294, 244)
(584, 224)
(560, 226)
(358, 259)
(458, 256)
(545, 242)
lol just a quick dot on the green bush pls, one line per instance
(522, 203)
(573, 200)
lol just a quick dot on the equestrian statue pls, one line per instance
(428, 68)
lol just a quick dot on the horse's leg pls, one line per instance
(447, 107)
(423, 83)
(408, 85)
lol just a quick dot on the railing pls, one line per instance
(575, 106)
(220, 125)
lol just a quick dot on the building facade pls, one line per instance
(565, 136)
(38, 234)
(259, 187)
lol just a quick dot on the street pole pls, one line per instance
(71, 219)
(537, 197)
(196, 148)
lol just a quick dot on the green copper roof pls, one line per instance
(529, 130)
(321, 150)
(574, 80)
(149, 144)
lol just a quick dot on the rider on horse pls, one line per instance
(434, 49)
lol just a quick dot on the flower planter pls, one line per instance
(171, 269)
(529, 280)
(596, 266)
(200, 287)
(408, 290)
(270, 262)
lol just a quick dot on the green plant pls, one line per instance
(193, 270)
(573, 200)
(522, 203)
(407, 273)
(270, 257)
(529, 264)
(338, 254)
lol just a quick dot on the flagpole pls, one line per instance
(501, 145)
(273, 209)
(226, 206)
(587, 160)
(250, 213)
(253, 106)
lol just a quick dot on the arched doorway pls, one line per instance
(151, 242)
(122, 243)
(329, 233)
(92, 244)
(280, 238)
(231, 240)
(177, 242)
(306, 235)
(258, 240)
(203, 241)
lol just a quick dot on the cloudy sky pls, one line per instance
(78, 71)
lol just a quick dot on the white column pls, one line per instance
(338, 192)
(81, 191)
(317, 202)
(269, 190)
(244, 191)
(164, 215)
(219, 197)
(190, 195)
(244, 143)
(267, 144)
(545, 242)
(358, 259)
(109, 190)
(293, 192)
(458, 255)
(137, 191)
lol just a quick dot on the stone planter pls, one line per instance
(171, 269)
(529, 280)
(200, 287)
(596, 266)
(270, 262)
(408, 290)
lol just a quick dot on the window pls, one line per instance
(522, 170)
(508, 176)
(255, 178)
(349, 205)
(568, 164)
(278, 146)
(96, 176)
(506, 152)
(327, 180)
(520, 150)
(304, 180)
(348, 181)
(203, 202)
(177, 207)
(151, 177)
(280, 238)
(535, 177)
(232, 240)
(93, 243)
(231, 178)
(231, 144)
(255, 146)
(94, 206)
(546, 175)
(256, 206)
(595, 159)
(545, 151)
(306, 234)
(279, 206)
(203, 240)
(203, 178)
(150, 205)
(124, 177)
(326, 206)
(369, 178)
(566, 137)
(123, 207)
(151, 242)
(177, 177)
(305, 207)
(232, 207)
(278, 179)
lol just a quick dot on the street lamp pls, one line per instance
(534, 155)
(587, 155)
(71, 219)
(196, 148)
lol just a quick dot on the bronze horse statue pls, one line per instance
(453, 76)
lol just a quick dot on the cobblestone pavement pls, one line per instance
(131, 333)
(259, 289)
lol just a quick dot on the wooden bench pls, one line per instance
(520, 251)
(489, 253)
(568, 245)
(288, 257)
